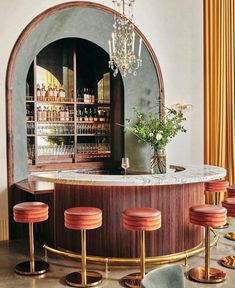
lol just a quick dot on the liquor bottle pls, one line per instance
(54, 114)
(49, 93)
(38, 92)
(66, 113)
(62, 112)
(86, 114)
(95, 116)
(79, 115)
(44, 114)
(90, 114)
(92, 96)
(39, 113)
(55, 93)
(43, 93)
(86, 96)
(62, 94)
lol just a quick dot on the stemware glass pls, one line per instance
(125, 163)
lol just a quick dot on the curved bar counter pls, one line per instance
(171, 193)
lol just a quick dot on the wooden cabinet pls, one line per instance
(74, 108)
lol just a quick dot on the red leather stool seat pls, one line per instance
(216, 185)
(27, 212)
(208, 215)
(145, 219)
(79, 218)
(229, 204)
(231, 191)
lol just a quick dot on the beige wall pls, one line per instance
(173, 28)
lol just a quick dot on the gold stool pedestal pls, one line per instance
(132, 280)
(40, 267)
(207, 274)
(215, 275)
(75, 279)
(228, 261)
(230, 236)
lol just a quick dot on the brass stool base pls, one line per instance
(230, 236)
(23, 268)
(222, 227)
(75, 279)
(132, 280)
(216, 275)
(228, 261)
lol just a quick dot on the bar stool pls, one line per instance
(229, 204)
(207, 216)
(83, 218)
(215, 193)
(31, 212)
(140, 219)
(230, 194)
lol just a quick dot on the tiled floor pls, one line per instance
(13, 252)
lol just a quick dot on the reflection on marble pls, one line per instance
(191, 174)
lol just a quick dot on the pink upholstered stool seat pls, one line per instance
(216, 185)
(27, 212)
(208, 216)
(231, 191)
(83, 218)
(229, 204)
(31, 212)
(79, 218)
(138, 219)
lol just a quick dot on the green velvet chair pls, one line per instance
(165, 277)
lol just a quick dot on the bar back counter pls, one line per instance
(171, 193)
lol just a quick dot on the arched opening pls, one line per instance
(86, 20)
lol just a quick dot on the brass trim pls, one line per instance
(136, 261)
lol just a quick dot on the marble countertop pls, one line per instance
(191, 174)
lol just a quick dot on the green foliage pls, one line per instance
(152, 130)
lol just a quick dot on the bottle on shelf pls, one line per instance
(38, 92)
(49, 93)
(66, 113)
(62, 114)
(55, 93)
(95, 115)
(39, 114)
(86, 118)
(61, 94)
(43, 93)
(44, 113)
(90, 115)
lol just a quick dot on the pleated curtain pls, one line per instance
(219, 100)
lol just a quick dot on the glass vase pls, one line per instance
(158, 162)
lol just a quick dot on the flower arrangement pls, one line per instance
(156, 131)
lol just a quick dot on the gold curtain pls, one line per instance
(219, 99)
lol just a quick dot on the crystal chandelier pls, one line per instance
(122, 44)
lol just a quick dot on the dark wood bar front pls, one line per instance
(172, 193)
(111, 240)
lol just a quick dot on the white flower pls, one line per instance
(150, 134)
(159, 136)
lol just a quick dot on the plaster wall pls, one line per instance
(173, 28)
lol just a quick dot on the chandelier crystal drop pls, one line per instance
(122, 43)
